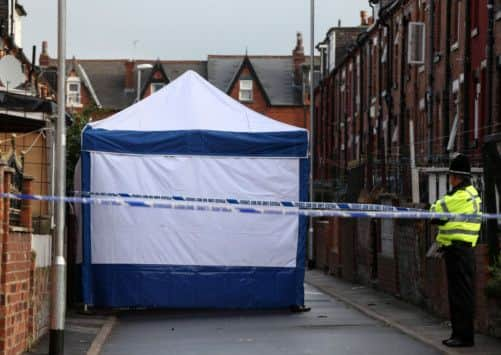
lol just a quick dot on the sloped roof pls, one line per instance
(107, 77)
(276, 74)
(108, 81)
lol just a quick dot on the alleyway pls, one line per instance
(330, 328)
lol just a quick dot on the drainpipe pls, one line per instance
(467, 75)
(380, 140)
(389, 84)
(369, 125)
(430, 95)
(361, 101)
(403, 112)
(447, 77)
(490, 63)
(403, 65)
(388, 97)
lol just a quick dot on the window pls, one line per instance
(245, 93)
(156, 86)
(73, 92)
(416, 50)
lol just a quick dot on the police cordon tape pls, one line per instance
(264, 210)
(263, 203)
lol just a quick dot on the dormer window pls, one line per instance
(73, 98)
(245, 93)
(156, 86)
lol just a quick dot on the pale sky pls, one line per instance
(182, 29)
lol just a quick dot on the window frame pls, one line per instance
(154, 87)
(73, 97)
(249, 89)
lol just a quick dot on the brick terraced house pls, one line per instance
(275, 86)
(421, 82)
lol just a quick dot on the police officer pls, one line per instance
(457, 240)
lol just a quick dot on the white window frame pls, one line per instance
(154, 87)
(413, 26)
(246, 86)
(73, 97)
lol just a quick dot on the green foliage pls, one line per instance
(493, 288)
(73, 140)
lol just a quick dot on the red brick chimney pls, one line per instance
(43, 59)
(129, 75)
(298, 59)
(364, 18)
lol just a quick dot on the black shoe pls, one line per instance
(299, 309)
(457, 343)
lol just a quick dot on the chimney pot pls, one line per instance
(298, 58)
(129, 75)
(364, 18)
(43, 59)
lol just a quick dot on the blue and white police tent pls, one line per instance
(190, 139)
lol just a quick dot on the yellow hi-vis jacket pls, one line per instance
(463, 200)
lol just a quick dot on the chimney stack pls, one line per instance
(298, 59)
(364, 18)
(129, 75)
(43, 59)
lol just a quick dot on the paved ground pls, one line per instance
(405, 317)
(330, 328)
(80, 332)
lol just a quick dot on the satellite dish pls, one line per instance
(11, 72)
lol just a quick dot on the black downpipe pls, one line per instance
(361, 111)
(447, 77)
(431, 78)
(467, 76)
(490, 64)
(12, 9)
(369, 123)
(380, 140)
(33, 63)
(354, 74)
(403, 65)
(389, 85)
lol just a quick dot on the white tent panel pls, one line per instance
(132, 235)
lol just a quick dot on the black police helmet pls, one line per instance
(460, 165)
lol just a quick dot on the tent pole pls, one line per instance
(312, 105)
(58, 291)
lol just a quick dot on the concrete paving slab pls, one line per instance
(407, 318)
(330, 327)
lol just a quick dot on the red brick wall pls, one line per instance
(39, 301)
(21, 285)
(293, 115)
(16, 259)
(387, 274)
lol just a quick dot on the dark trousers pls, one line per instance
(460, 264)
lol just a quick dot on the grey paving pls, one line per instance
(330, 328)
(406, 317)
(80, 332)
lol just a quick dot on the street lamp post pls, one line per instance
(58, 299)
(139, 68)
(312, 112)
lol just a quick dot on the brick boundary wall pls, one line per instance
(24, 288)
(409, 274)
